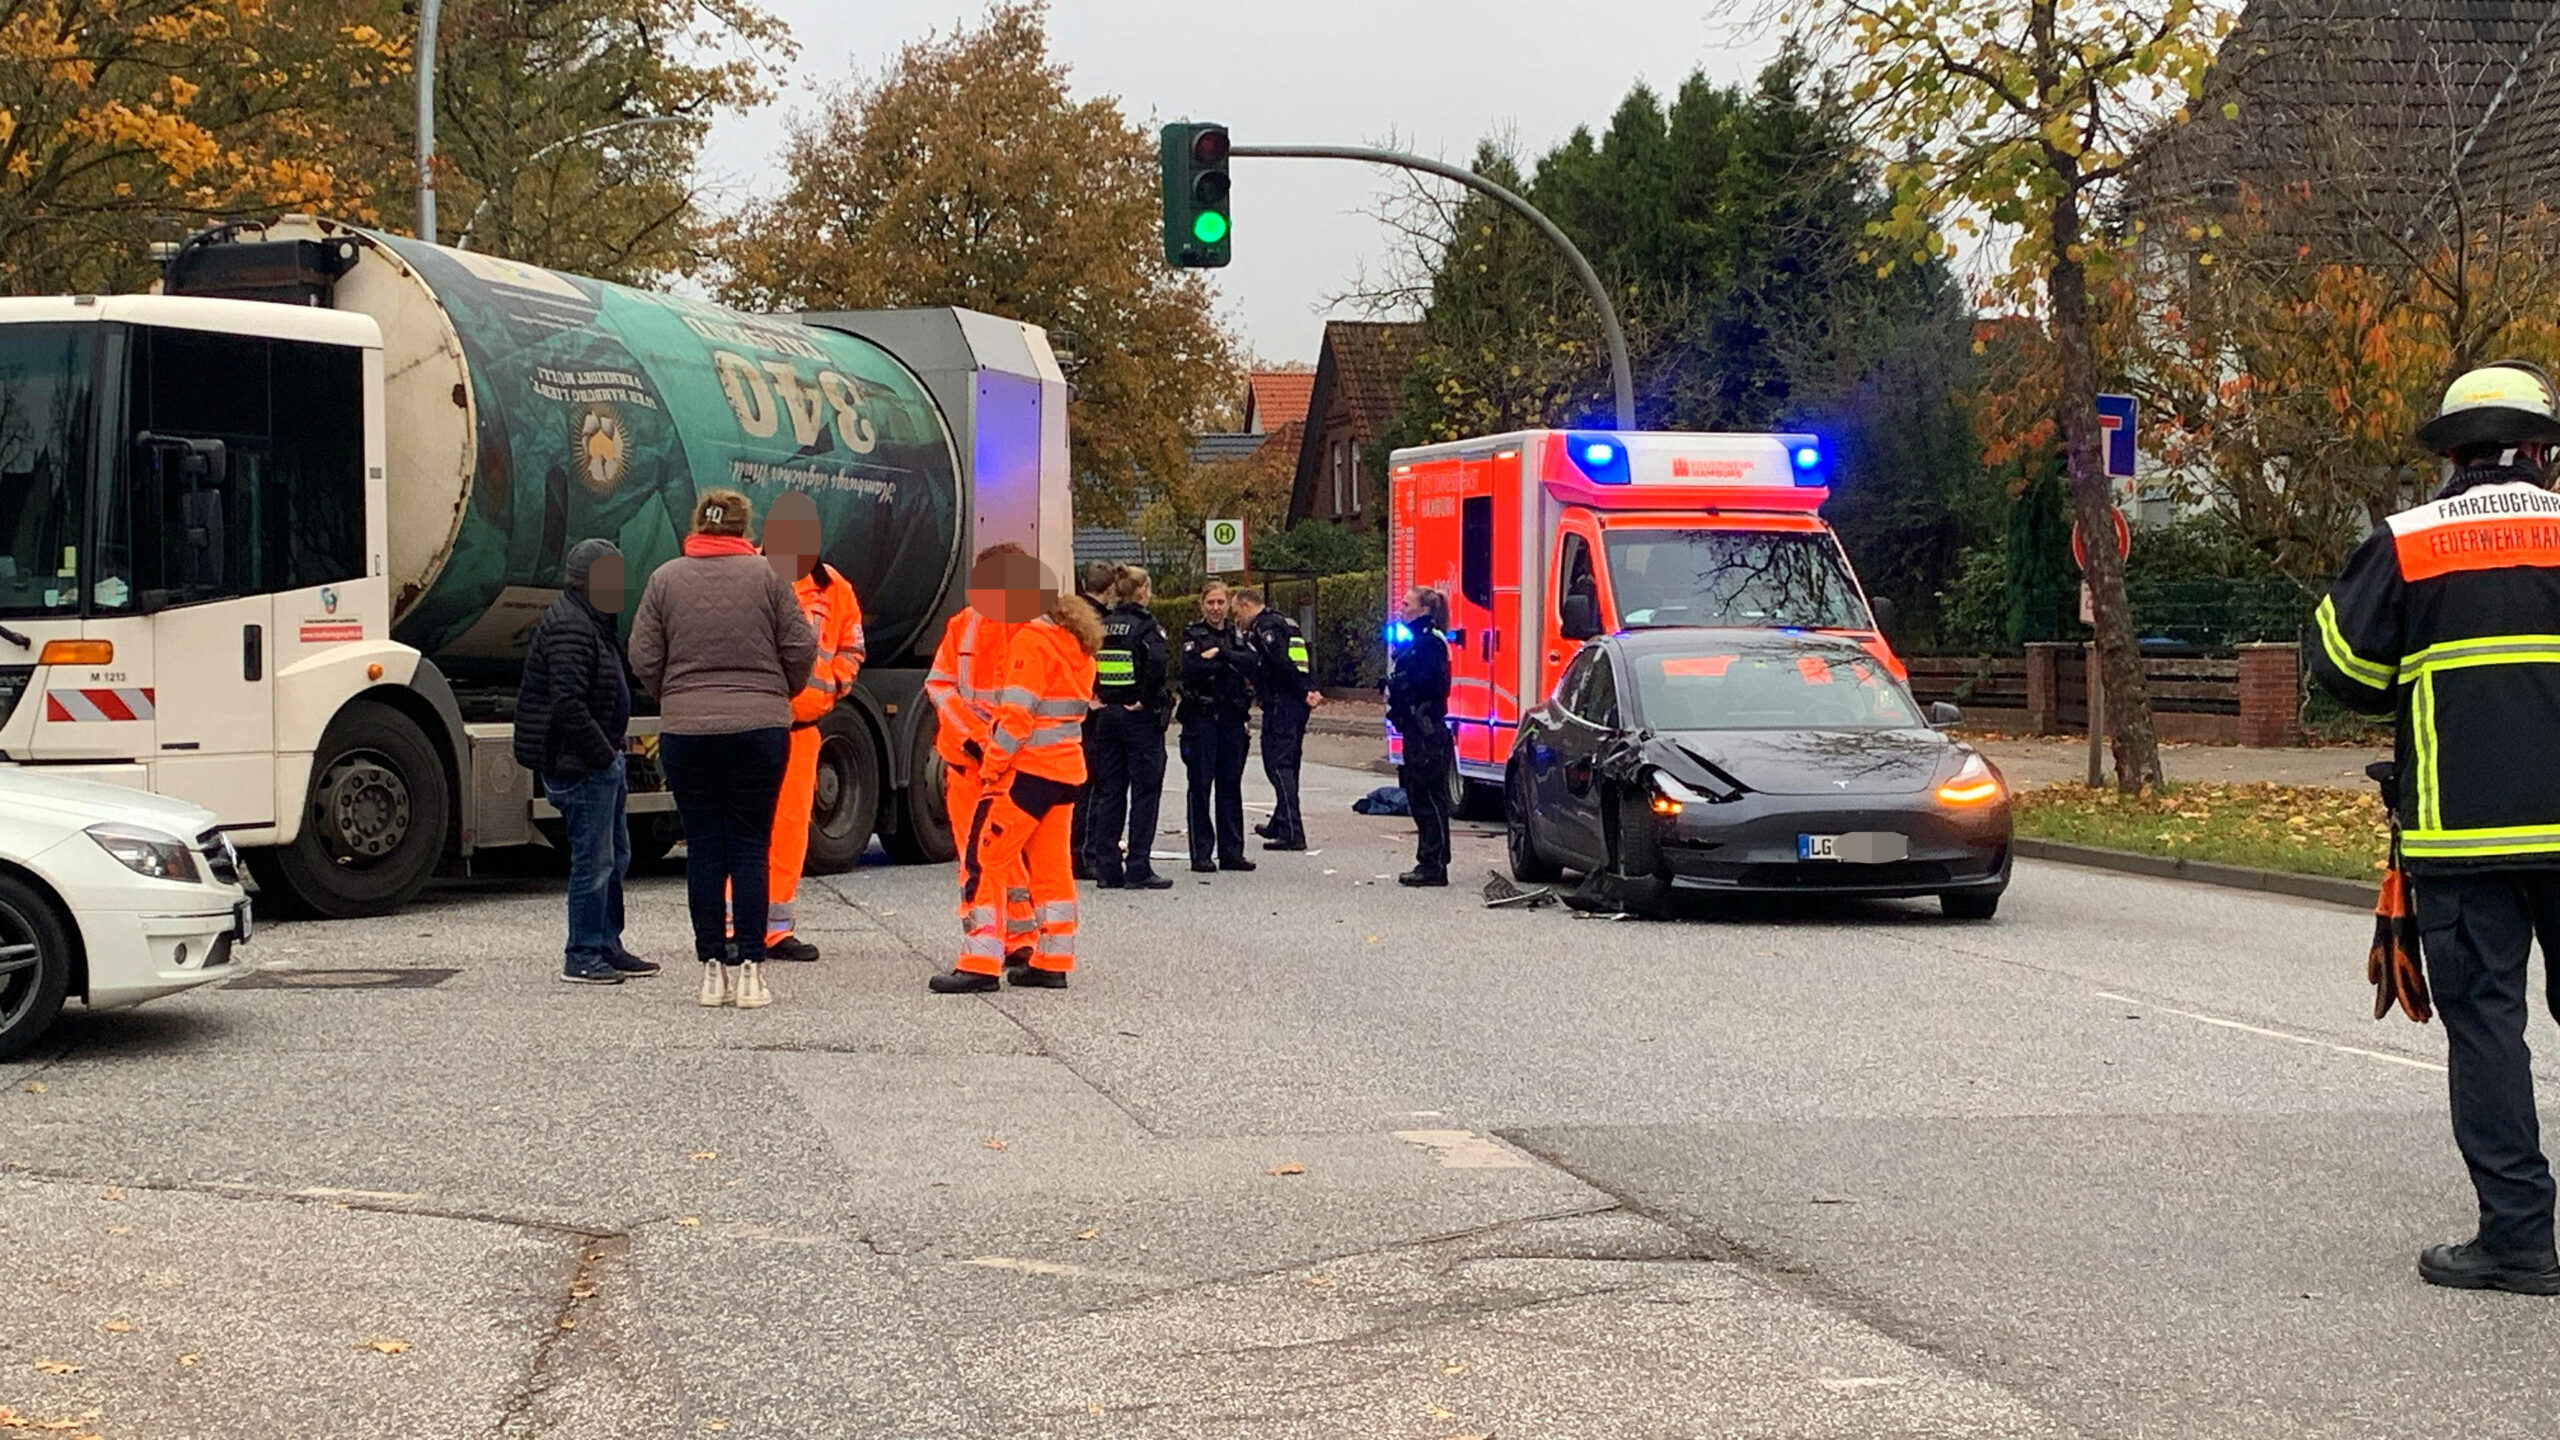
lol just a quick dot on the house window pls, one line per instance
(1355, 477)
(1341, 495)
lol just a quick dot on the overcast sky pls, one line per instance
(1435, 74)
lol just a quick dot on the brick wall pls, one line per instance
(2270, 696)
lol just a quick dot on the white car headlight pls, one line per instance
(148, 852)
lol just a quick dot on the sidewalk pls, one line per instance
(2029, 762)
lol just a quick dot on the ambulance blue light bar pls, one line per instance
(1600, 458)
(1805, 457)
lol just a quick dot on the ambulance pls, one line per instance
(1543, 539)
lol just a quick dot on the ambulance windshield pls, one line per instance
(1743, 578)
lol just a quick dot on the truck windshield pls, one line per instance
(1748, 579)
(44, 471)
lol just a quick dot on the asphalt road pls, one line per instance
(1299, 1154)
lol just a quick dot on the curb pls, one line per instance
(2203, 872)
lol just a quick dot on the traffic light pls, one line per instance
(1196, 231)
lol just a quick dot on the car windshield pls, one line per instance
(44, 418)
(1755, 689)
(1740, 578)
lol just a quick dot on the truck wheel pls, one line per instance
(35, 965)
(373, 824)
(924, 823)
(847, 805)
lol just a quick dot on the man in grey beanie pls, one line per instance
(573, 715)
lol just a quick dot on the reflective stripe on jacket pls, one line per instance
(2449, 618)
(968, 672)
(1048, 690)
(827, 598)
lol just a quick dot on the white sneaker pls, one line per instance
(752, 993)
(717, 989)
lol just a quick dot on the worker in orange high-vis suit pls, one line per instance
(1023, 819)
(968, 673)
(835, 615)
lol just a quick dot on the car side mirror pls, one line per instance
(1581, 616)
(1942, 714)
(1884, 613)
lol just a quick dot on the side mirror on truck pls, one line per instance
(1581, 616)
(1883, 610)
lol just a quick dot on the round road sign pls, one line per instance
(2124, 540)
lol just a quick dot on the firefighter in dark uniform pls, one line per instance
(1095, 592)
(2447, 618)
(1127, 738)
(1217, 699)
(1289, 695)
(1418, 706)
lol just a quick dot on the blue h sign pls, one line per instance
(2117, 415)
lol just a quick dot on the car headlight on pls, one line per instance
(1670, 797)
(1974, 784)
(148, 852)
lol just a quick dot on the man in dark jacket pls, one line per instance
(2446, 618)
(1127, 748)
(1418, 706)
(573, 714)
(1289, 695)
(1217, 698)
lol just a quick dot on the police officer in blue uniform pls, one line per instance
(1289, 696)
(1127, 738)
(1418, 706)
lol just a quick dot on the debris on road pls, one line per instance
(1499, 891)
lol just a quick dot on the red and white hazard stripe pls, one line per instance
(119, 703)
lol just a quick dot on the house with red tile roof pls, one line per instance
(1358, 385)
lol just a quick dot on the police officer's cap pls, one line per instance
(2509, 403)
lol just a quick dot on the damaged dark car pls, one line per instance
(1761, 762)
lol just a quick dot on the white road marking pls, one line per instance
(2383, 1056)
(1464, 1150)
(1055, 1270)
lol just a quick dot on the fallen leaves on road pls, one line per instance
(1289, 1168)
(189, 1358)
(112, 1192)
(992, 1143)
(704, 1155)
(385, 1347)
(689, 1221)
(2305, 829)
(11, 1420)
(568, 1324)
(56, 1367)
(1458, 1369)
(119, 1327)
(119, 1229)
(35, 1087)
(1088, 1234)
(715, 1426)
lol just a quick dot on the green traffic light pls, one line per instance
(1209, 227)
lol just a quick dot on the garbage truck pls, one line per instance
(273, 537)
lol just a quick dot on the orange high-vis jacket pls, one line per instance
(827, 598)
(1048, 690)
(968, 670)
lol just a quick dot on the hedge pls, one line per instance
(1347, 644)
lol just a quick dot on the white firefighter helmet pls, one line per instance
(2508, 404)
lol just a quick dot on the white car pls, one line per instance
(114, 895)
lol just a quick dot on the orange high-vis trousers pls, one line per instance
(790, 850)
(1026, 833)
(1013, 903)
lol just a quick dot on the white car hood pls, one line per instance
(83, 803)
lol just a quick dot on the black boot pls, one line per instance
(791, 947)
(2471, 1266)
(1238, 863)
(1016, 959)
(962, 982)
(1421, 878)
(1037, 978)
(1148, 881)
(1204, 867)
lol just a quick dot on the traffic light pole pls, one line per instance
(1621, 374)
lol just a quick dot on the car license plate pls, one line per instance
(1859, 847)
(241, 925)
